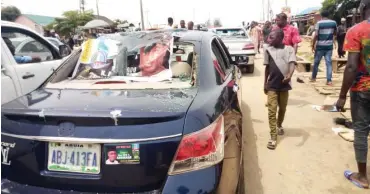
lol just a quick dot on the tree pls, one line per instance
(208, 23)
(339, 8)
(217, 22)
(118, 22)
(10, 13)
(70, 21)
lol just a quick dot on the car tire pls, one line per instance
(250, 69)
(244, 70)
(241, 184)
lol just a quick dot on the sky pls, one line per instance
(230, 12)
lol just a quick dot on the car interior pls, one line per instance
(181, 64)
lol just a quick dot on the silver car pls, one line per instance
(239, 44)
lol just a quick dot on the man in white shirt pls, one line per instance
(112, 157)
(169, 24)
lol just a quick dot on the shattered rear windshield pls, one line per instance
(140, 57)
(231, 32)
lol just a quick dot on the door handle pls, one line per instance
(28, 75)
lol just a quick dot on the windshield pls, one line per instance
(141, 57)
(54, 42)
(232, 32)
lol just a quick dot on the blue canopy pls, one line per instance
(309, 10)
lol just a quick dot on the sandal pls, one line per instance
(329, 83)
(348, 175)
(271, 144)
(281, 131)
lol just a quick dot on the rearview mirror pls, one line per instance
(64, 50)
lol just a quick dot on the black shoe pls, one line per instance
(280, 131)
(299, 80)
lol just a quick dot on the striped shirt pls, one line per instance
(325, 30)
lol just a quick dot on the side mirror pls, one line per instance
(64, 50)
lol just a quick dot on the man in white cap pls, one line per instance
(341, 34)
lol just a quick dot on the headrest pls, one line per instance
(180, 69)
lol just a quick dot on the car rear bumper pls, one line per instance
(251, 55)
(200, 181)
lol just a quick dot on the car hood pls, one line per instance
(101, 103)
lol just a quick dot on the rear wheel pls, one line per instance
(241, 183)
(244, 70)
(250, 69)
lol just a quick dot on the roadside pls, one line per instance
(310, 158)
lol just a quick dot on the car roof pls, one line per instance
(185, 35)
(12, 24)
(225, 28)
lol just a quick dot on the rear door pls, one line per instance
(236, 77)
(225, 69)
(31, 74)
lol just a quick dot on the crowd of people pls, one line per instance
(281, 44)
(190, 24)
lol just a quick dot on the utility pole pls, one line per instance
(97, 7)
(147, 17)
(286, 3)
(263, 10)
(268, 9)
(142, 15)
(82, 6)
(193, 14)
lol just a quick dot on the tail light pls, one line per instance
(201, 149)
(248, 46)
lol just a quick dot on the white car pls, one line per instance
(239, 44)
(18, 79)
(25, 45)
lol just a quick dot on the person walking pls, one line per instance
(357, 79)
(255, 34)
(280, 61)
(322, 45)
(341, 36)
(291, 34)
(182, 24)
(190, 25)
(169, 23)
(266, 31)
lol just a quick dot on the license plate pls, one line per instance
(74, 157)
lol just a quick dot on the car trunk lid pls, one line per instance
(237, 45)
(143, 128)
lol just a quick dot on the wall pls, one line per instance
(30, 24)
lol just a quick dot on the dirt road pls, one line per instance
(309, 158)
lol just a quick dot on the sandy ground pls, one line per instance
(309, 158)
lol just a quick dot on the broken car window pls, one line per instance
(139, 57)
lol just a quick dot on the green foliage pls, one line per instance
(70, 21)
(10, 13)
(118, 21)
(339, 8)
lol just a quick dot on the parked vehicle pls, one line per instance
(130, 132)
(59, 43)
(239, 44)
(18, 79)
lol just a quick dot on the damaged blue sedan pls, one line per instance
(151, 112)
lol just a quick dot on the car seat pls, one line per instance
(190, 59)
(180, 68)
